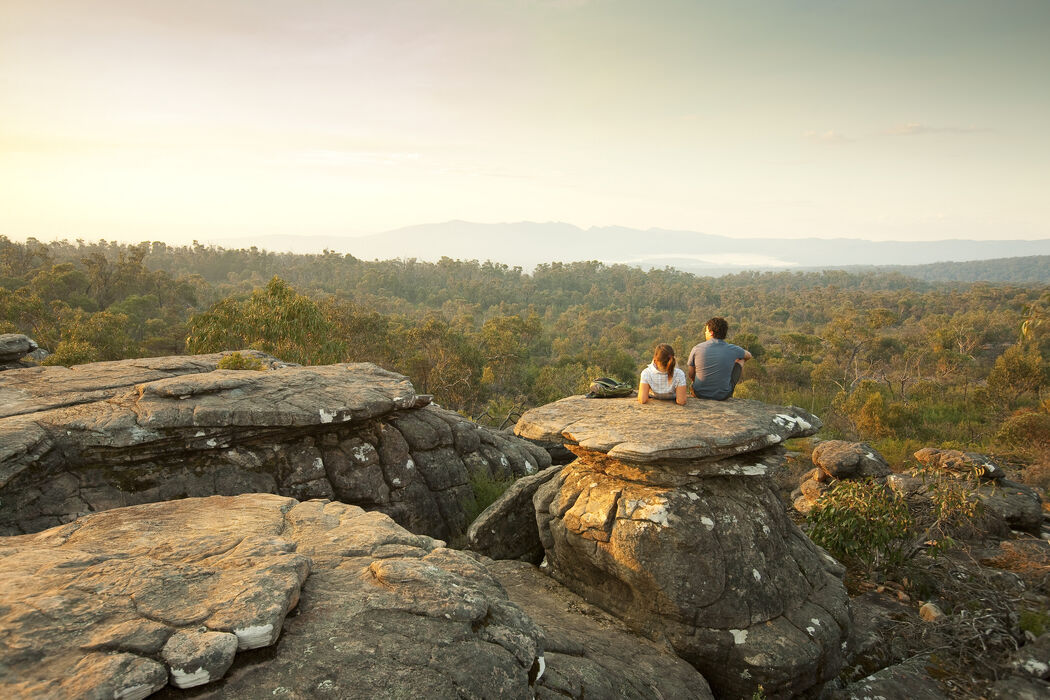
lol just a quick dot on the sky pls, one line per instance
(142, 120)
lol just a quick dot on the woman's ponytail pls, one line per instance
(663, 355)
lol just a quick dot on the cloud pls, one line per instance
(918, 129)
(830, 136)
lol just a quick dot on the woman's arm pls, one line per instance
(679, 395)
(643, 392)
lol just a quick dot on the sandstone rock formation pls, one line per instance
(103, 435)
(836, 460)
(13, 347)
(120, 603)
(1018, 505)
(507, 528)
(668, 520)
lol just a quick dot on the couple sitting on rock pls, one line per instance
(714, 368)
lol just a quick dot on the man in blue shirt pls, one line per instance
(715, 365)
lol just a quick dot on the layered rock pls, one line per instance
(668, 520)
(14, 347)
(120, 603)
(103, 435)
(836, 460)
(1017, 505)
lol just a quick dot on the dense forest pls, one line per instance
(880, 356)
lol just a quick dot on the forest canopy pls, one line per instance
(878, 355)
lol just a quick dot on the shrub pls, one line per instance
(863, 524)
(1026, 429)
(486, 489)
(236, 360)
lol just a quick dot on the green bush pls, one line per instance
(864, 525)
(1026, 430)
(236, 360)
(486, 488)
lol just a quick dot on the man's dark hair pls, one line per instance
(718, 327)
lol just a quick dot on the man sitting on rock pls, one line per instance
(715, 365)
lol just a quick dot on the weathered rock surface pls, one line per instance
(838, 460)
(668, 520)
(13, 347)
(98, 436)
(507, 528)
(906, 680)
(589, 653)
(1018, 505)
(849, 460)
(649, 433)
(122, 602)
(960, 463)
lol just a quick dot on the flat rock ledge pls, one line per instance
(669, 521)
(104, 435)
(661, 431)
(123, 603)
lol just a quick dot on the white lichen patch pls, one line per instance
(772, 439)
(326, 417)
(199, 433)
(503, 460)
(1034, 667)
(758, 576)
(543, 666)
(318, 464)
(211, 443)
(765, 530)
(870, 456)
(812, 631)
(364, 453)
(692, 496)
(410, 464)
(181, 678)
(789, 421)
(739, 636)
(655, 511)
(395, 482)
(707, 522)
(254, 636)
(530, 466)
(815, 621)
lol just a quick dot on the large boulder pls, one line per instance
(507, 528)
(91, 437)
(838, 460)
(1018, 505)
(121, 603)
(668, 519)
(13, 347)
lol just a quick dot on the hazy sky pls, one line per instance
(186, 119)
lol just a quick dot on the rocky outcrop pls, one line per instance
(109, 434)
(669, 521)
(836, 460)
(507, 528)
(1017, 505)
(121, 603)
(14, 347)
(589, 653)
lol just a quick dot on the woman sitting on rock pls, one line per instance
(661, 379)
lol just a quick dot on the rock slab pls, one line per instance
(104, 435)
(678, 532)
(131, 599)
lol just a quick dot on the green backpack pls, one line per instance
(606, 388)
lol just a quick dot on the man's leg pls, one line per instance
(735, 377)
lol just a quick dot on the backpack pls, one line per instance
(606, 388)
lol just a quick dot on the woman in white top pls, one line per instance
(661, 379)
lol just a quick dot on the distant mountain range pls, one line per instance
(528, 244)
